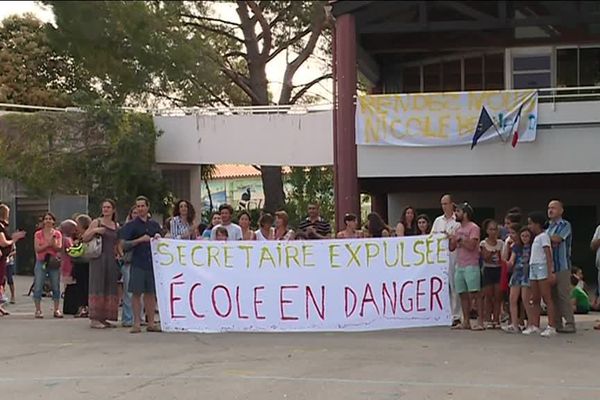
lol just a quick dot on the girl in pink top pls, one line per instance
(47, 243)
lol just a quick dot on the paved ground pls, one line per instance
(64, 359)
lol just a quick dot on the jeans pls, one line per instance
(40, 273)
(127, 316)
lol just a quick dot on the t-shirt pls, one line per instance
(495, 258)
(206, 233)
(66, 262)
(445, 225)
(321, 226)
(39, 237)
(465, 257)
(538, 256)
(582, 299)
(596, 237)
(141, 255)
(233, 230)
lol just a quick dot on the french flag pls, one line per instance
(515, 127)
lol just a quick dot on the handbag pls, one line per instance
(52, 262)
(93, 248)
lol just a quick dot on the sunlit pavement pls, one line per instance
(65, 359)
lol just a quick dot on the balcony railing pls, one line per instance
(547, 95)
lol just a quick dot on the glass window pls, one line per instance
(589, 67)
(531, 80)
(432, 81)
(411, 79)
(566, 67)
(529, 63)
(451, 76)
(494, 71)
(474, 73)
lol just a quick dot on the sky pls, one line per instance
(309, 71)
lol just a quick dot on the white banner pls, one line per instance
(443, 119)
(327, 285)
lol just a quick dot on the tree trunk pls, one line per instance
(273, 188)
(210, 200)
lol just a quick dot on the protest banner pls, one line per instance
(444, 119)
(327, 285)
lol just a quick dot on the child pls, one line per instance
(222, 234)
(519, 280)
(579, 298)
(541, 276)
(578, 272)
(490, 253)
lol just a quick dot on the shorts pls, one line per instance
(10, 272)
(538, 272)
(141, 281)
(491, 276)
(467, 279)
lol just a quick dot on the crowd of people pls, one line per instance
(512, 273)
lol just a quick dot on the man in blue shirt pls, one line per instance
(561, 237)
(140, 232)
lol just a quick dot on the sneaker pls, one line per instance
(510, 329)
(549, 331)
(531, 330)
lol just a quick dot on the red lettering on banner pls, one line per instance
(419, 295)
(237, 301)
(320, 312)
(435, 293)
(257, 302)
(346, 291)
(386, 294)
(410, 300)
(214, 301)
(370, 299)
(191, 299)
(173, 298)
(283, 301)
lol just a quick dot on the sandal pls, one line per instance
(97, 325)
(597, 327)
(461, 327)
(135, 329)
(478, 328)
(57, 314)
(39, 315)
(3, 312)
(153, 328)
(108, 324)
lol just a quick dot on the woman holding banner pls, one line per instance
(377, 227)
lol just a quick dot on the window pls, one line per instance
(432, 78)
(477, 72)
(532, 70)
(567, 61)
(411, 79)
(589, 67)
(474, 73)
(451, 76)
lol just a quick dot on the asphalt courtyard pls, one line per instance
(65, 359)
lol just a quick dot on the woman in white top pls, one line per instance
(265, 228)
(244, 222)
(182, 223)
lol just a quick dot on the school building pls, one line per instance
(441, 50)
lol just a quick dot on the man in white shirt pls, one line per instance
(447, 224)
(234, 231)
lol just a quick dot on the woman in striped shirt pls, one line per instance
(182, 223)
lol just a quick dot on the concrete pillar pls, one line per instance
(196, 190)
(347, 197)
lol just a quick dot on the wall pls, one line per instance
(264, 139)
(565, 129)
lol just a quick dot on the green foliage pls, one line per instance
(308, 185)
(103, 152)
(31, 71)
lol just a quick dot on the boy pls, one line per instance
(579, 298)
